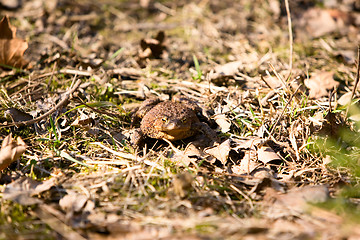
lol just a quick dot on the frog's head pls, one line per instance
(174, 128)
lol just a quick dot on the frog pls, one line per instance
(172, 120)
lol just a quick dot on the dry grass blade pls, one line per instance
(356, 80)
(119, 154)
(290, 36)
(283, 111)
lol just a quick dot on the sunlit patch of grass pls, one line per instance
(344, 151)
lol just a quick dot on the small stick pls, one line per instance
(290, 34)
(356, 80)
(35, 120)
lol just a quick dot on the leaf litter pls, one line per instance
(12, 48)
(266, 119)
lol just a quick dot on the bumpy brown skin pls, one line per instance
(170, 120)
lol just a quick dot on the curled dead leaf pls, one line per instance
(226, 70)
(11, 151)
(11, 48)
(223, 122)
(73, 202)
(220, 152)
(266, 154)
(24, 190)
(154, 47)
(320, 83)
(296, 201)
(345, 99)
(17, 115)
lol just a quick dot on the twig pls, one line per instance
(290, 35)
(356, 81)
(62, 102)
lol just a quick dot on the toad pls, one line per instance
(168, 120)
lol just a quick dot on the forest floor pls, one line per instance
(283, 103)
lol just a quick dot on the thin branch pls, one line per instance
(290, 35)
(66, 97)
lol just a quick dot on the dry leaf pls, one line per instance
(295, 201)
(181, 159)
(220, 152)
(223, 122)
(247, 164)
(10, 4)
(320, 83)
(11, 48)
(247, 143)
(266, 154)
(319, 22)
(272, 82)
(189, 155)
(85, 122)
(317, 120)
(345, 99)
(23, 189)
(17, 115)
(11, 151)
(226, 70)
(153, 48)
(73, 202)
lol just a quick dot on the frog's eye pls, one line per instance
(164, 119)
(184, 120)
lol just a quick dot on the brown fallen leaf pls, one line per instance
(24, 189)
(247, 164)
(320, 83)
(296, 201)
(84, 122)
(226, 70)
(266, 154)
(11, 151)
(223, 122)
(10, 4)
(318, 22)
(153, 48)
(17, 115)
(11, 48)
(220, 152)
(345, 99)
(73, 202)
